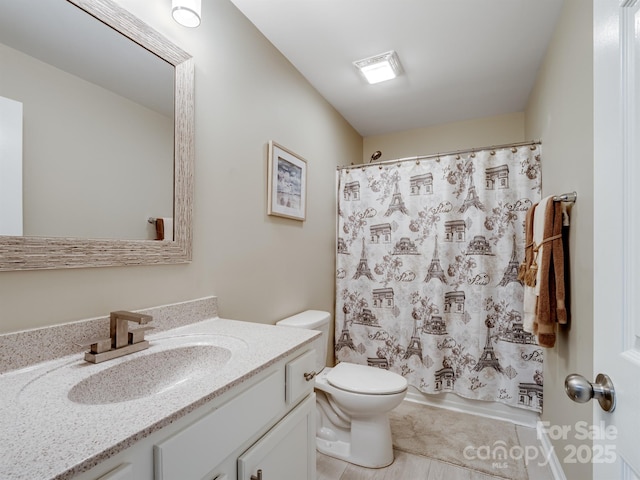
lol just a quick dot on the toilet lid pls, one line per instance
(364, 379)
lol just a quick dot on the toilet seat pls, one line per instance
(364, 379)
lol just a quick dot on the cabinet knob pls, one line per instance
(259, 477)
(309, 376)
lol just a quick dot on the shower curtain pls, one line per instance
(427, 273)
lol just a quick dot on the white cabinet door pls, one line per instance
(287, 451)
(193, 452)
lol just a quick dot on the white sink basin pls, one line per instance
(169, 364)
(150, 374)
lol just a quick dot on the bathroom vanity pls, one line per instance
(216, 399)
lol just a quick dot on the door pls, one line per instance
(617, 234)
(10, 167)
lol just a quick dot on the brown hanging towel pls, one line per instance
(159, 229)
(551, 307)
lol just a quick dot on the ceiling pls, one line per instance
(90, 50)
(462, 59)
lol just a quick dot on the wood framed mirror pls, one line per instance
(33, 252)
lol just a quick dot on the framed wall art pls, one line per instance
(287, 183)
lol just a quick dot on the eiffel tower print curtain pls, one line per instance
(427, 273)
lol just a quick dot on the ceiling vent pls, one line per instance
(379, 68)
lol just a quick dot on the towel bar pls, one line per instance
(566, 197)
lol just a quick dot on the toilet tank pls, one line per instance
(312, 320)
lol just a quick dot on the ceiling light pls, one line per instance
(380, 68)
(186, 12)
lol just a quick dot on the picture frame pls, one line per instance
(287, 183)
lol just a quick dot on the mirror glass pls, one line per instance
(97, 125)
(96, 130)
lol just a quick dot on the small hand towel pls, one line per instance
(164, 229)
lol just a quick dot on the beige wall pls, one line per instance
(262, 268)
(121, 182)
(560, 112)
(481, 132)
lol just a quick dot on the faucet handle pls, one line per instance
(137, 335)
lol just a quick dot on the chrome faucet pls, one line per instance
(121, 341)
(119, 329)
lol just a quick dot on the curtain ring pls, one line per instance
(532, 147)
(457, 157)
(380, 167)
(492, 152)
(473, 154)
(417, 162)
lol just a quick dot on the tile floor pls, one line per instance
(416, 467)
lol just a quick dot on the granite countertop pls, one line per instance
(45, 435)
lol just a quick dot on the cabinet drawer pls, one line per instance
(297, 385)
(199, 448)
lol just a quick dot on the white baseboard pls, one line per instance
(550, 453)
(494, 410)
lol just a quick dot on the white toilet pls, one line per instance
(353, 402)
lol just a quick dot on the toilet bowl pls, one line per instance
(353, 402)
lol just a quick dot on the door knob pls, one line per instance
(581, 390)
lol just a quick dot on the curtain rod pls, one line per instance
(437, 155)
